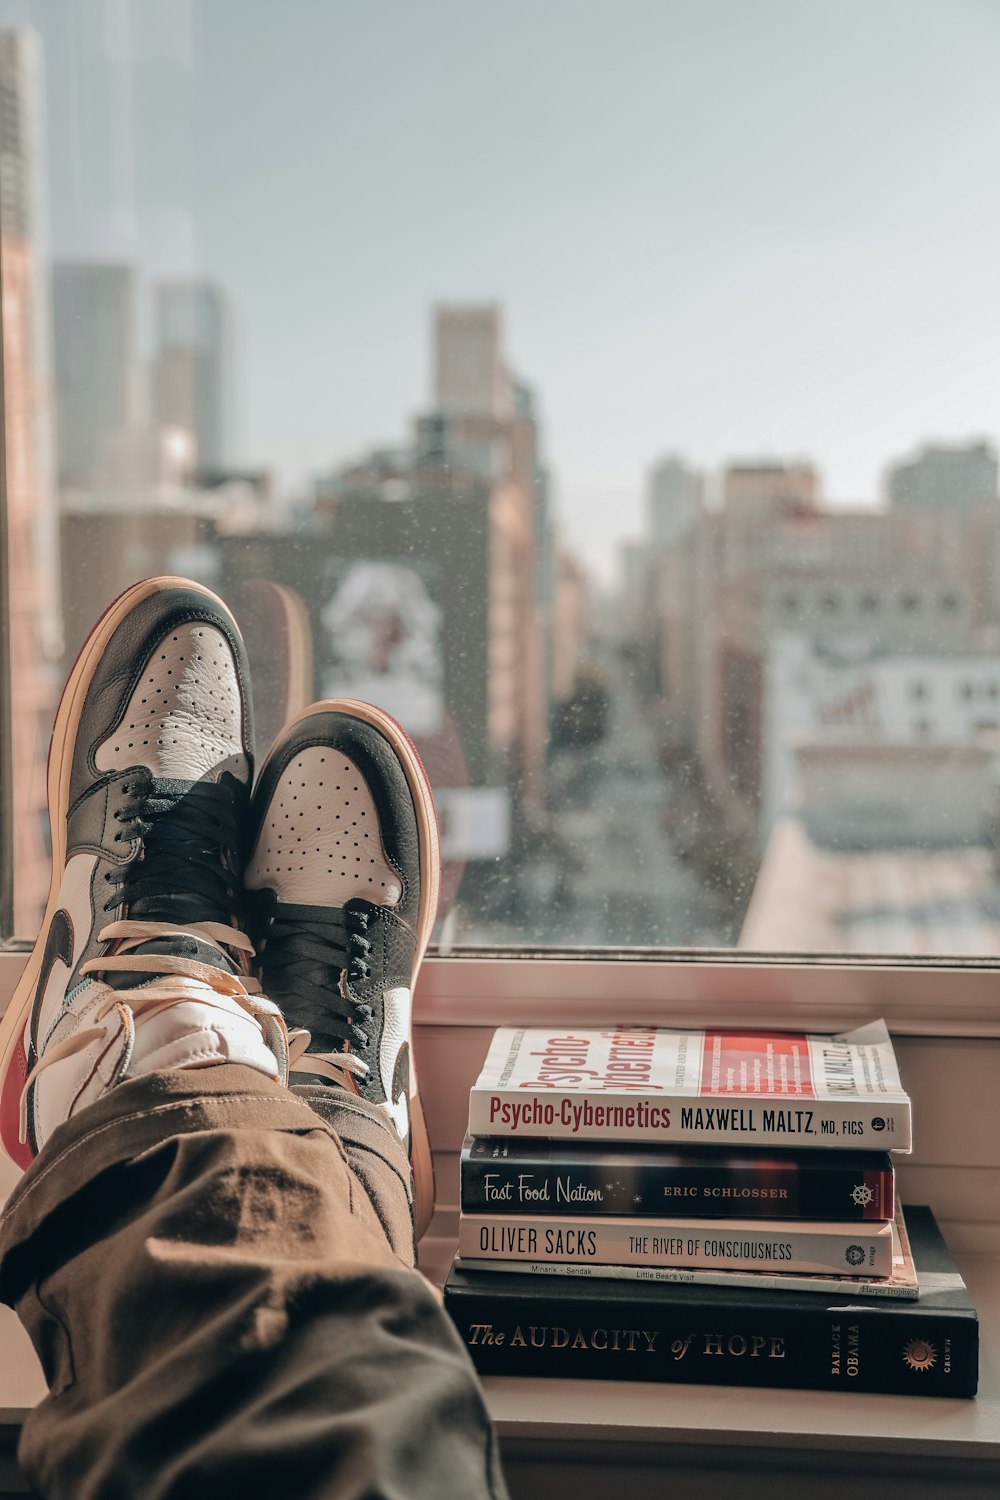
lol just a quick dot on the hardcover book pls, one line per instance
(571, 1326)
(505, 1175)
(742, 1244)
(637, 1083)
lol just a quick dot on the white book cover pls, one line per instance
(719, 1087)
(862, 1250)
(901, 1283)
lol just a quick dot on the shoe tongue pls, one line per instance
(183, 946)
(185, 875)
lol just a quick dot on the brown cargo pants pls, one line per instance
(218, 1281)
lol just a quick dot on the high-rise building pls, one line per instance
(570, 625)
(95, 362)
(471, 487)
(770, 491)
(193, 371)
(674, 501)
(470, 377)
(485, 423)
(34, 619)
(958, 479)
(20, 65)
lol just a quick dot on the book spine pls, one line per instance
(891, 1347)
(792, 1246)
(862, 1124)
(527, 1185)
(839, 1286)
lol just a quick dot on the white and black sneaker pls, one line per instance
(141, 963)
(345, 859)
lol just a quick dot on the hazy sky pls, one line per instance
(727, 228)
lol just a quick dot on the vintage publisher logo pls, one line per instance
(878, 1123)
(862, 1195)
(919, 1354)
(854, 1255)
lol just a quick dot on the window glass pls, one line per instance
(608, 390)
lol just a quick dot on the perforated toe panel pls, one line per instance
(185, 718)
(320, 843)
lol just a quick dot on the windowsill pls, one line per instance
(627, 1416)
(614, 1425)
(559, 1431)
(581, 1433)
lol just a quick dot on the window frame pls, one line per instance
(489, 987)
(480, 986)
(812, 992)
(6, 737)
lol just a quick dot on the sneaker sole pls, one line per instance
(13, 1058)
(421, 1159)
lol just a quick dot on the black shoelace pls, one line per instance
(303, 951)
(192, 850)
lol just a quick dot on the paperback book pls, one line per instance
(506, 1175)
(727, 1335)
(773, 1089)
(901, 1282)
(742, 1244)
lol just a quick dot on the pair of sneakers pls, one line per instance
(196, 917)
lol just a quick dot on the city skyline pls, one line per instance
(709, 481)
(679, 270)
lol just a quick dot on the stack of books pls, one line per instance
(721, 1204)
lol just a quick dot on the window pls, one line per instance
(469, 431)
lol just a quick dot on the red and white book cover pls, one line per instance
(719, 1087)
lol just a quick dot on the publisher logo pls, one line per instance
(878, 1123)
(919, 1354)
(854, 1255)
(862, 1195)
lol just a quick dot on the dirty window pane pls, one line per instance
(607, 390)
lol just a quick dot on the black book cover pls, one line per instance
(520, 1325)
(505, 1175)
